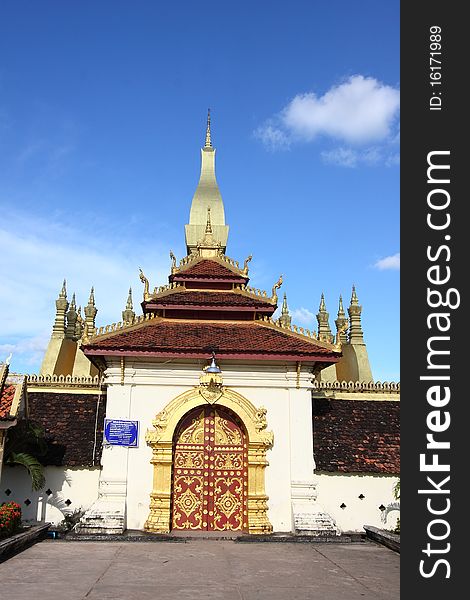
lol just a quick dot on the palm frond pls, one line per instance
(32, 465)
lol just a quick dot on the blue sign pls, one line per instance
(119, 432)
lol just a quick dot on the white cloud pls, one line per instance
(302, 316)
(30, 349)
(35, 256)
(352, 157)
(357, 112)
(272, 137)
(390, 263)
(344, 157)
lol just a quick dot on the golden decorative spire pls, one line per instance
(90, 313)
(207, 194)
(79, 325)
(71, 320)
(285, 319)
(208, 143)
(341, 312)
(341, 323)
(354, 300)
(324, 331)
(128, 314)
(356, 335)
(58, 329)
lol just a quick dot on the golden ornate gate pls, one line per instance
(210, 471)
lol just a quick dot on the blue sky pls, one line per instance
(102, 116)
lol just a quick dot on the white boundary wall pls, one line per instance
(80, 486)
(335, 489)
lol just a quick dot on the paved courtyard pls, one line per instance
(225, 570)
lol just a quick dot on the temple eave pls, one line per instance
(202, 354)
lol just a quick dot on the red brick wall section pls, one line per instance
(356, 436)
(69, 424)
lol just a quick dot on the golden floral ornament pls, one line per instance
(160, 423)
(261, 422)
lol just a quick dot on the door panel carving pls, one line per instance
(210, 474)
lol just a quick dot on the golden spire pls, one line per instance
(128, 314)
(79, 325)
(285, 319)
(324, 331)
(62, 305)
(354, 300)
(71, 319)
(207, 194)
(340, 307)
(356, 335)
(90, 314)
(341, 323)
(208, 143)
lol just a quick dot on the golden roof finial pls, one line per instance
(208, 143)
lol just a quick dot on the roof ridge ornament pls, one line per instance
(245, 265)
(145, 281)
(276, 286)
(174, 268)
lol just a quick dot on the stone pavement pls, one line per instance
(195, 569)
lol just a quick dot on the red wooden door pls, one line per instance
(210, 474)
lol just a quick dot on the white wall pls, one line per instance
(78, 485)
(335, 489)
(149, 387)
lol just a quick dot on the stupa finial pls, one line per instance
(208, 143)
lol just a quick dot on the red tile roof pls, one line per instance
(194, 338)
(211, 298)
(356, 436)
(6, 399)
(208, 269)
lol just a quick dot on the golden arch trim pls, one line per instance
(160, 439)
